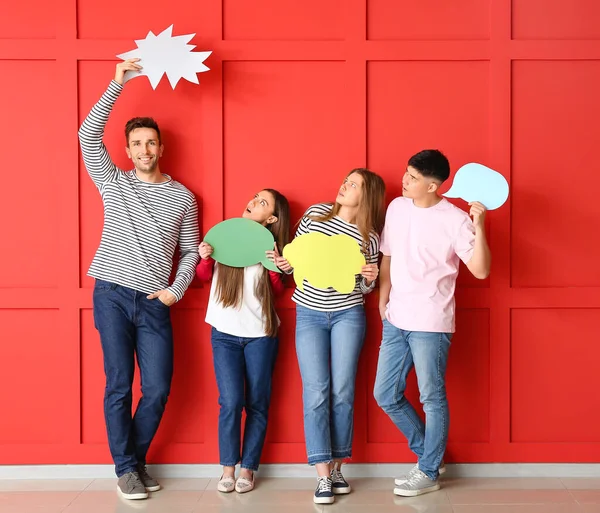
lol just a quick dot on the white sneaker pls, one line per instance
(401, 480)
(417, 484)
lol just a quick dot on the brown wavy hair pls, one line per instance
(230, 280)
(371, 211)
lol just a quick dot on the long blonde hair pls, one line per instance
(230, 280)
(371, 212)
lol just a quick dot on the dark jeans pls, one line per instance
(244, 367)
(131, 325)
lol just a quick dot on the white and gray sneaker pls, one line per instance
(339, 485)
(417, 484)
(401, 480)
(323, 493)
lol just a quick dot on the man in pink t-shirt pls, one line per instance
(423, 241)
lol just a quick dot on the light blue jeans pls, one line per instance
(328, 346)
(428, 352)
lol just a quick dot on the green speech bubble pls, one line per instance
(240, 242)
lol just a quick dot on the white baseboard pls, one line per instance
(497, 470)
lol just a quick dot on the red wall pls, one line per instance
(298, 94)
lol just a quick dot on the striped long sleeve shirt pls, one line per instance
(330, 300)
(143, 222)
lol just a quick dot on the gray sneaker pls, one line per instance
(417, 484)
(150, 483)
(130, 486)
(401, 480)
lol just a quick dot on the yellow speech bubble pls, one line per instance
(325, 261)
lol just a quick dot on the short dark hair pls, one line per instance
(431, 163)
(135, 123)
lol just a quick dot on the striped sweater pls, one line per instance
(143, 222)
(330, 300)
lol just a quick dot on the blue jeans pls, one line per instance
(129, 324)
(328, 346)
(428, 352)
(244, 368)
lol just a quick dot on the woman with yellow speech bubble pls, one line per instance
(330, 323)
(241, 311)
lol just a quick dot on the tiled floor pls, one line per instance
(370, 495)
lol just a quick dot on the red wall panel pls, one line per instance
(553, 357)
(114, 19)
(284, 20)
(277, 117)
(554, 170)
(556, 19)
(298, 94)
(28, 204)
(34, 378)
(426, 104)
(429, 19)
(28, 19)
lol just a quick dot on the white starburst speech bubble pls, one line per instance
(166, 54)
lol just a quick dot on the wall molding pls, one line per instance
(471, 470)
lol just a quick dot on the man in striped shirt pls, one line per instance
(146, 215)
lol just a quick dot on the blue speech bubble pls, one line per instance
(476, 182)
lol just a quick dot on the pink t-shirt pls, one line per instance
(425, 245)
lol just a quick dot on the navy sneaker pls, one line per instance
(323, 493)
(339, 485)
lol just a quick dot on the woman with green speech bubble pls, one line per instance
(241, 311)
(330, 325)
